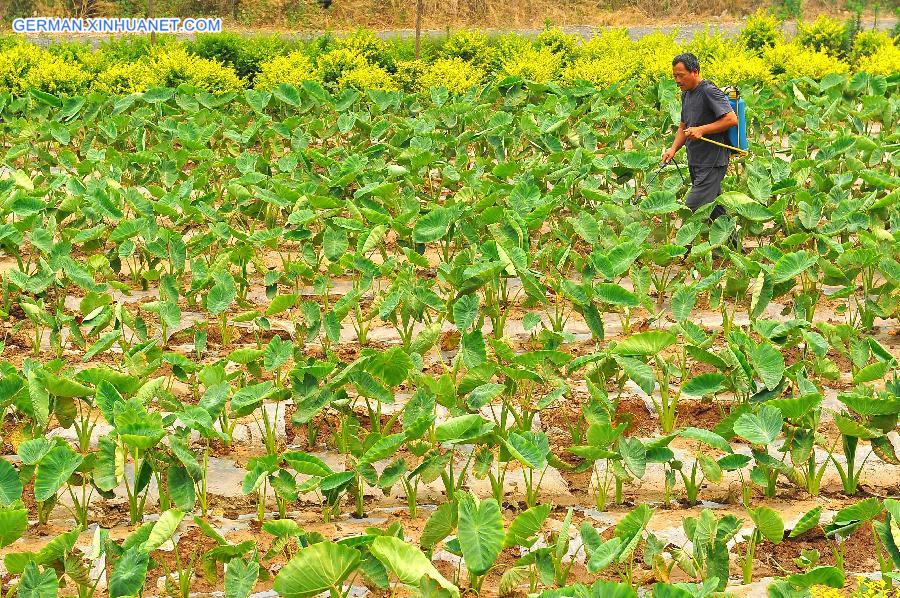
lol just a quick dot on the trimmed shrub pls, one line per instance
(294, 68)
(540, 66)
(761, 30)
(173, 66)
(564, 45)
(368, 76)
(825, 34)
(332, 65)
(792, 60)
(455, 74)
(884, 61)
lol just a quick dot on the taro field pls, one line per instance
(305, 343)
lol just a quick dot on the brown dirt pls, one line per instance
(773, 560)
(700, 414)
(191, 547)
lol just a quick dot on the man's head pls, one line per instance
(686, 71)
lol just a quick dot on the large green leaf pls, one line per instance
(408, 563)
(615, 294)
(54, 470)
(240, 577)
(433, 225)
(315, 569)
(163, 529)
(462, 428)
(759, 428)
(645, 343)
(704, 384)
(818, 576)
(707, 437)
(769, 364)
(480, 532)
(529, 448)
(38, 584)
(129, 574)
(13, 523)
(634, 455)
(10, 484)
(792, 265)
(809, 520)
(525, 525)
(769, 523)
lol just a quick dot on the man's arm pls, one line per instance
(723, 124)
(680, 138)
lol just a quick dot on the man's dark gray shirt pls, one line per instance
(703, 105)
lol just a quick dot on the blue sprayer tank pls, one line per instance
(737, 135)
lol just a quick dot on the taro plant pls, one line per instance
(709, 556)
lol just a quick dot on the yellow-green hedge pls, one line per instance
(758, 54)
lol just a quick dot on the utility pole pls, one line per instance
(418, 24)
(150, 14)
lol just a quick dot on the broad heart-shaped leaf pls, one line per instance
(818, 576)
(769, 524)
(433, 225)
(769, 364)
(465, 310)
(529, 448)
(603, 555)
(704, 384)
(54, 470)
(480, 532)
(13, 523)
(791, 265)
(483, 394)
(129, 574)
(614, 294)
(761, 427)
(138, 428)
(240, 577)
(163, 529)
(10, 484)
(38, 584)
(634, 455)
(640, 372)
(462, 428)
(222, 294)
(659, 202)
(645, 343)
(392, 366)
(408, 563)
(809, 520)
(850, 427)
(744, 206)
(382, 449)
(61, 386)
(307, 464)
(525, 525)
(707, 437)
(315, 569)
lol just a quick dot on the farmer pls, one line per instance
(705, 112)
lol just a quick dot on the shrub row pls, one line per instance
(227, 62)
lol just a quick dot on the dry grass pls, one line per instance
(501, 14)
(437, 14)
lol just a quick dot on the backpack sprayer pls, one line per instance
(737, 135)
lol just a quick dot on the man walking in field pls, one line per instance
(705, 112)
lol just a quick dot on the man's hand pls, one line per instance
(667, 155)
(693, 132)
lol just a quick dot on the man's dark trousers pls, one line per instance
(706, 184)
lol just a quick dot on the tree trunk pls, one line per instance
(418, 24)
